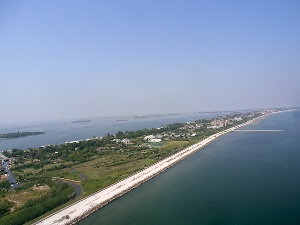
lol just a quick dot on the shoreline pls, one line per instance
(79, 210)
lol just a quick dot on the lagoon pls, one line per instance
(58, 132)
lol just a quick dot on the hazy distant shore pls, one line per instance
(83, 208)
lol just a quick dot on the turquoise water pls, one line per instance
(241, 178)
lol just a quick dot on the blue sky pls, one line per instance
(85, 59)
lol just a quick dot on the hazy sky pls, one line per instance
(82, 59)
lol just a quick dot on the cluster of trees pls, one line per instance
(5, 207)
(144, 132)
(30, 179)
(4, 185)
(60, 193)
(75, 152)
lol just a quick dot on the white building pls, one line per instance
(125, 141)
(149, 137)
(155, 140)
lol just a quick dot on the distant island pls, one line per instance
(19, 134)
(81, 121)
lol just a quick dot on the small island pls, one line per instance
(81, 121)
(19, 134)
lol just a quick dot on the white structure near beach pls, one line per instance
(149, 137)
(155, 140)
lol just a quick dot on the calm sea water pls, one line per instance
(58, 132)
(241, 178)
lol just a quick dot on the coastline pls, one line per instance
(83, 208)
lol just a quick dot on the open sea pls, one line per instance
(240, 178)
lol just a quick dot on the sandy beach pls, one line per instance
(81, 209)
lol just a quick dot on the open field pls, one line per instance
(19, 198)
(109, 168)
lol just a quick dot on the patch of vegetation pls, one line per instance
(33, 208)
(5, 207)
(4, 185)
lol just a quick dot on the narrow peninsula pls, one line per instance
(105, 167)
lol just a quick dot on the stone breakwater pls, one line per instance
(81, 209)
